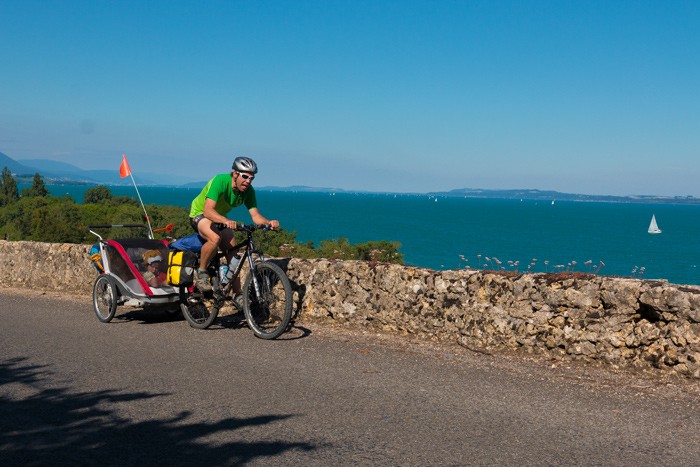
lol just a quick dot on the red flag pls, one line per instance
(124, 169)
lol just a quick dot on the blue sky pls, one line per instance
(596, 97)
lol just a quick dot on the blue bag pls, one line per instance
(192, 242)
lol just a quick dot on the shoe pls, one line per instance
(201, 280)
(238, 301)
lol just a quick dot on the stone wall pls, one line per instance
(618, 321)
(46, 266)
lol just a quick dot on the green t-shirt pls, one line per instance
(221, 190)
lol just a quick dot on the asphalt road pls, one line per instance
(148, 389)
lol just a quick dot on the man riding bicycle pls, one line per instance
(221, 194)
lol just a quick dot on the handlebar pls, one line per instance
(109, 226)
(246, 227)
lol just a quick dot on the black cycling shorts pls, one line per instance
(195, 220)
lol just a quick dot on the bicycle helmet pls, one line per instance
(244, 164)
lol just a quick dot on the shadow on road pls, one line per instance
(44, 425)
(147, 315)
(238, 321)
(231, 321)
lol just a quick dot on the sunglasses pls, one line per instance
(246, 176)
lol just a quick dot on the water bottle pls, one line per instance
(232, 265)
(223, 274)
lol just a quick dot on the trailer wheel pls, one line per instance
(104, 298)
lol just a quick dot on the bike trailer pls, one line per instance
(132, 272)
(128, 259)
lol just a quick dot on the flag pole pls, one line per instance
(125, 164)
(148, 221)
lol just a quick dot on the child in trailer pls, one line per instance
(154, 275)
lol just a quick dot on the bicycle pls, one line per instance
(266, 294)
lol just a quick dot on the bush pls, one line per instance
(37, 189)
(98, 194)
(57, 221)
(8, 188)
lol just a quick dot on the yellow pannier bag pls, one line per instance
(181, 266)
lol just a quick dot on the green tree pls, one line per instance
(98, 194)
(10, 225)
(16, 218)
(37, 189)
(384, 251)
(119, 200)
(58, 221)
(278, 243)
(8, 193)
(298, 250)
(336, 249)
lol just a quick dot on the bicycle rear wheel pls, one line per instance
(200, 309)
(269, 309)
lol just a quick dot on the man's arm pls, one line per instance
(260, 219)
(211, 214)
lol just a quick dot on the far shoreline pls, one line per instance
(515, 195)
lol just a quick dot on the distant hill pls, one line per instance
(55, 167)
(14, 166)
(62, 172)
(545, 195)
(56, 172)
(303, 189)
(295, 188)
(194, 184)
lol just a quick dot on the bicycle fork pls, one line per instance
(254, 277)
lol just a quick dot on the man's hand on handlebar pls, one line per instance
(229, 224)
(272, 225)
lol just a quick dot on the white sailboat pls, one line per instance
(653, 228)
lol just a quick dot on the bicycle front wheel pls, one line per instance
(267, 300)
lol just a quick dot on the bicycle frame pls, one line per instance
(266, 298)
(249, 249)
